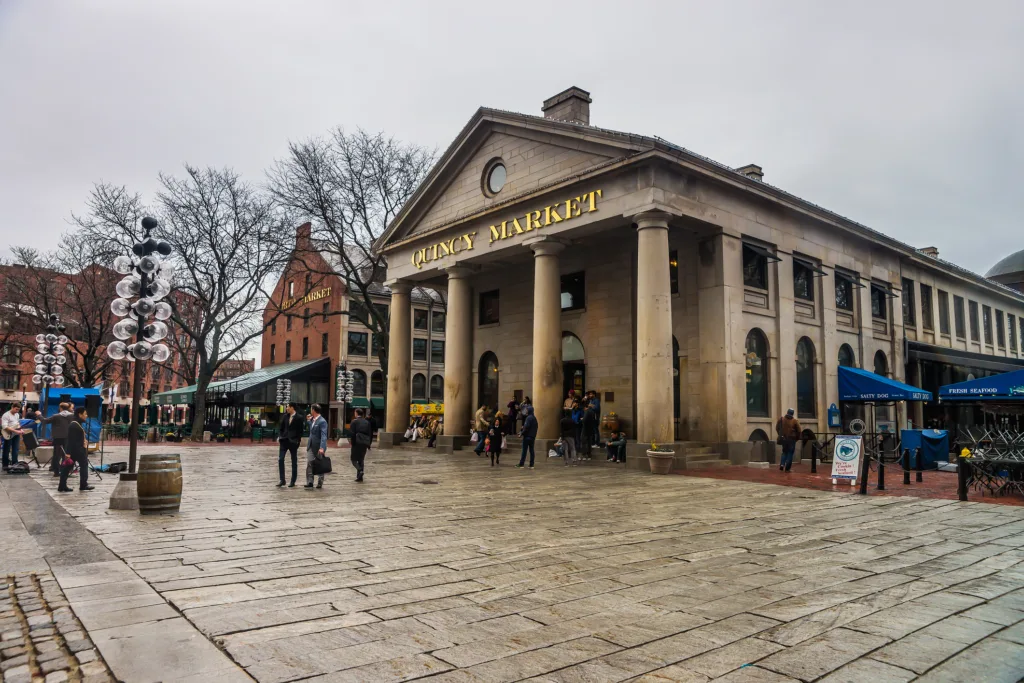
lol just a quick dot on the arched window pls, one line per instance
(572, 348)
(437, 388)
(377, 383)
(487, 381)
(758, 435)
(806, 405)
(757, 374)
(881, 364)
(419, 385)
(358, 383)
(846, 357)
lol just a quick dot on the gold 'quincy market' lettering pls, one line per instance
(312, 296)
(533, 220)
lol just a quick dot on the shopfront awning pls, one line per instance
(867, 387)
(1008, 386)
(377, 402)
(250, 383)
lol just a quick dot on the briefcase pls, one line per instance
(322, 465)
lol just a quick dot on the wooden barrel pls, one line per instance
(159, 483)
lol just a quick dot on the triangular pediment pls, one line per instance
(536, 153)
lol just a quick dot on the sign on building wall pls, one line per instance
(846, 458)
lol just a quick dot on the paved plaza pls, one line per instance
(447, 569)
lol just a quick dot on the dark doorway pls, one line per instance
(574, 368)
(487, 382)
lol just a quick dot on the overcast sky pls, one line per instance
(905, 116)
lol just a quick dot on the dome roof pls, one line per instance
(1014, 263)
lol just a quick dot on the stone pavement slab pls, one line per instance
(443, 568)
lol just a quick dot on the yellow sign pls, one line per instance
(426, 409)
(532, 220)
(312, 296)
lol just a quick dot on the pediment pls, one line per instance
(536, 153)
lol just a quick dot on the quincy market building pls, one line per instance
(699, 301)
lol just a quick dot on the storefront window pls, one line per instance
(844, 292)
(757, 374)
(908, 303)
(755, 267)
(805, 394)
(419, 386)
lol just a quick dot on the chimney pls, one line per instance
(752, 171)
(571, 106)
(303, 240)
(930, 251)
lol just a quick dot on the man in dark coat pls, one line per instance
(529, 436)
(79, 453)
(788, 430)
(290, 431)
(58, 433)
(360, 436)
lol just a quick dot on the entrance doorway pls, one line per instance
(574, 368)
(487, 380)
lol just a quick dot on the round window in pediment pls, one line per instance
(495, 176)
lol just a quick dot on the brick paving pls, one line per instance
(446, 569)
(40, 637)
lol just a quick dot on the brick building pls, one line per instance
(234, 367)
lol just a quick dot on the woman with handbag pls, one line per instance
(360, 436)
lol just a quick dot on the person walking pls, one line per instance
(290, 430)
(10, 428)
(568, 433)
(480, 422)
(316, 447)
(59, 424)
(495, 435)
(788, 430)
(77, 453)
(360, 437)
(529, 437)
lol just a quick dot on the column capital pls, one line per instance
(398, 286)
(545, 246)
(458, 272)
(652, 219)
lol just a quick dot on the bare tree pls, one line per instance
(350, 186)
(226, 241)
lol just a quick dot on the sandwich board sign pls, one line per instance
(846, 459)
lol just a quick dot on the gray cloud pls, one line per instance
(901, 115)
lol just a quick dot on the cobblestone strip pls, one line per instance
(41, 641)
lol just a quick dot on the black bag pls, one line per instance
(362, 439)
(322, 465)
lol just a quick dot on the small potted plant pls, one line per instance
(221, 437)
(660, 458)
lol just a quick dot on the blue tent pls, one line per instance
(867, 387)
(77, 396)
(1008, 386)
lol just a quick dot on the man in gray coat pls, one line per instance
(59, 433)
(316, 447)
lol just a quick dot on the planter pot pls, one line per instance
(220, 439)
(660, 461)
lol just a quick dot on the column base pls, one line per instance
(125, 495)
(390, 439)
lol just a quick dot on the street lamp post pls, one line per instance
(148, 278)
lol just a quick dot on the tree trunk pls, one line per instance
(199, 417)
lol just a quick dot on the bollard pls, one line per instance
(881, 473)
(906, 466)
(920, 476)
(814, 458)
(961, 478)
(864, 470)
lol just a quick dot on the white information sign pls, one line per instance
(846, 458)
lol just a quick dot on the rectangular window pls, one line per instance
(273, 353)
(357, 312)
(323, 344)
(419, 349)
(375, 345)
(986, 323)
(943, 312)
(9, 380)
(574, 287)
(305, 347)
(803, 280)
(755, 267)
(489, 307)
(437, 322)
(419, 319)
(291, 288)
(288, 350)
(878, 302)
(1000, 329)
(437, 352)
(927, 319)
(309, 282)
(168, 374)
(958, 317)
(305, 318)
(844, 291)
(909, 309)
(1012, 322)
(273, 326)
(327, 311)
(673, 270)
(382, 311)
(972, 307)
(357, 343)
(288, 325)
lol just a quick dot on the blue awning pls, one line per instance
(1008, 386)
(860, 385)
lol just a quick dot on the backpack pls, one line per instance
(18, 468)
